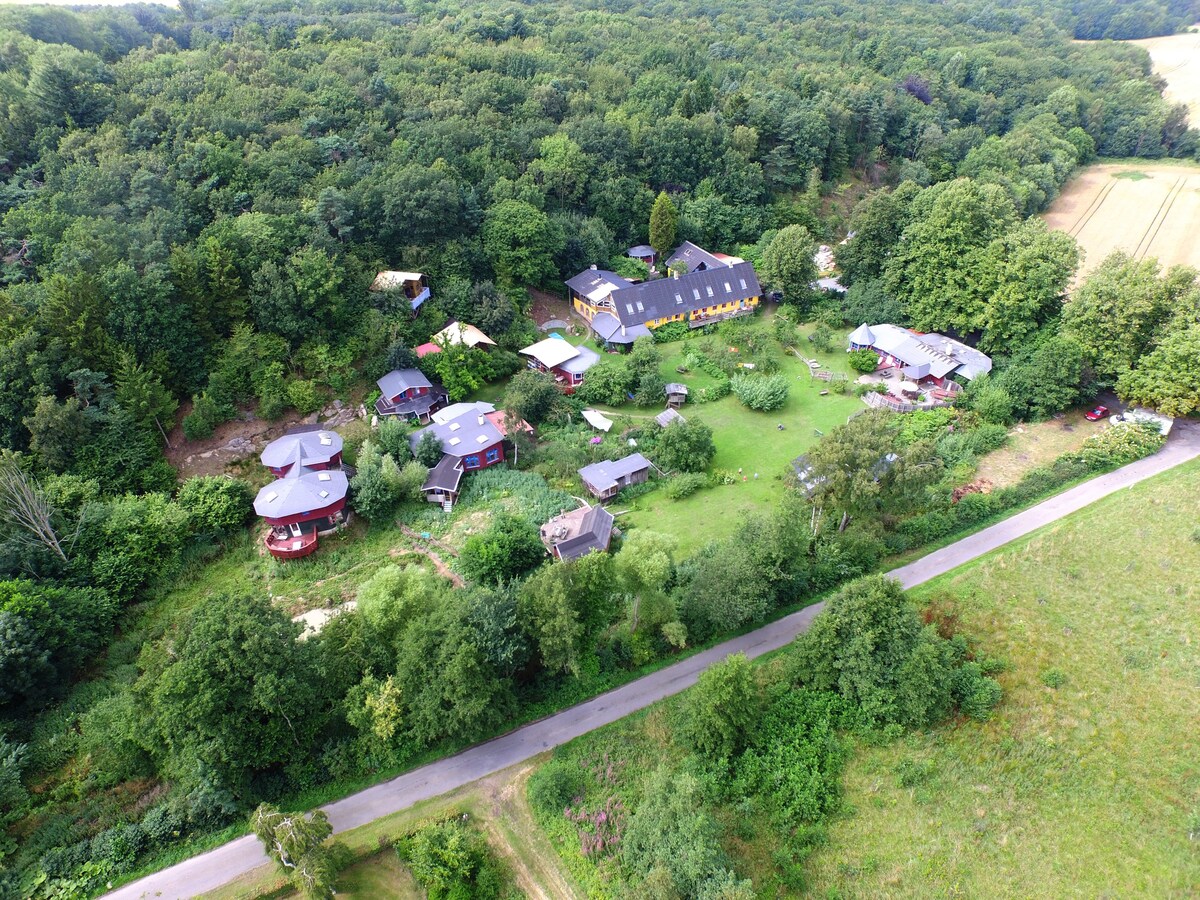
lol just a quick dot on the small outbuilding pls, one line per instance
(578, 533)
(605, 479)
(669, 415)
(408, 393)
(411, 284)
(677, 394)
(461, 333)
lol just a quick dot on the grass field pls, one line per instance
(1086, 782)
(746, 440)
(1036, 444)
(1145, 209)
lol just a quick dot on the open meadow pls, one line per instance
(1086, 781)
(1150, 209)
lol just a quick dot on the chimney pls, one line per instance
(730, 264)
(675, 275)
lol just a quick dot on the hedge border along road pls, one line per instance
(217, 867)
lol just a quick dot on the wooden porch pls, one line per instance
(697, 321)
(291, 547)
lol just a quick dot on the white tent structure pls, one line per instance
(597, 420)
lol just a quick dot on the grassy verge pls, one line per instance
(1087, 780)
(497, 804)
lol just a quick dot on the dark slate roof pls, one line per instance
(603, 475)
(595, 533)
(589, 281)
(469, 433)
(316, 445)
(445, 476)
(667, 297)
(692, 256)
(399, 380)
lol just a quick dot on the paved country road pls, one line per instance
(220, 866)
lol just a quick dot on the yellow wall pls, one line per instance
(589, 312)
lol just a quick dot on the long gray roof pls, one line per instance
(463, 435)
(400, 380)
(581, 361)
(636, 304)
(605, 474)
(930, 354)
(316, 445)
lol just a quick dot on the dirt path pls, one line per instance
(419, 546)
(512, 826)
(216, 867)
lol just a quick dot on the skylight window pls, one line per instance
(271, 497)
(743, 281)
(640, 307)
(708, 287)
(482, 439)
(696, 291)
(324, 493)
(679, 299)
(728, 289)
(326, 439)
(454, 442)
(629, 306)
(324, 476)
(454, 426)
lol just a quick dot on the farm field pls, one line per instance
(1144, 210)
(1176, 58)
(1086, 781)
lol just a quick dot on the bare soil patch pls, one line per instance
(1038, 444)
(1146, 210)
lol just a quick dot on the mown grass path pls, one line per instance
(216, 867)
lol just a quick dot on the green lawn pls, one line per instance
(746, 440)
(1086, 789)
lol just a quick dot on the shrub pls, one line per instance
(761, 392)
(672, 331)
(863, 361)
(509, 549)
(685, 484)
(684, 446)
(303, 396)
(1053, 678)
(118, 846)
(452, 861)
(205, 416)
(976, 693)
(1119, 445)
(215, 505)
(555, 786)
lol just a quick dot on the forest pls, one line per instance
(194, 203)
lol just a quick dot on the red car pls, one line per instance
(1096, 414)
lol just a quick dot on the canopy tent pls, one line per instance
(597, 419)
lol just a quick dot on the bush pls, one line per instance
(685, 484)
(205, 416)
(672, 331)
(554, 786)
(1119, 445)
(975, 693)
(761, 392)
(215, 505)
(452, 861)
(1053, 678)
(118, 846)
(509, 549)
(863, 361)
(304, 396)
(685, 447)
